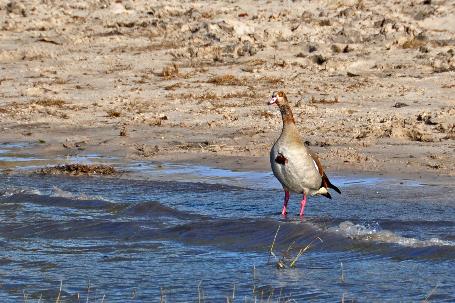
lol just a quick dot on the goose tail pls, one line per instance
(327, 184)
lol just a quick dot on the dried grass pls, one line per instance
(414, 134)
(313, 100)
(137, 106)
(123, 131)
(210, 95)
(433, 290)
(287, 260)
(113, 113)
(256, 62)
(272, 80)
(50, 102)
(225, 80)
(165, 44)
(146, 150)
(240, 94)
(78, 170)
(170, 71)
(271, 253)
(173, 86)
(266, 114)
(413, 43)
(60, 81)
(64, 116)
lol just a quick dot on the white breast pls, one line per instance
(299, 173)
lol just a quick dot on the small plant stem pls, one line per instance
(59, 292)
(273, 244)
(301, 251)
(342, 273)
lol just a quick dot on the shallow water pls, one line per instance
(189, 232)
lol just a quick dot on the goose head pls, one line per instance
(278, 98)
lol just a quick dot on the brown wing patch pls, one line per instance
(325, 181)
(280, 159)
(316, 160)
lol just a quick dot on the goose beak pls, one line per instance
(272, 100)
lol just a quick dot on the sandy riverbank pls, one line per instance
(372, 85)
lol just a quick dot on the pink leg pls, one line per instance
(285, 203)
(302, 205)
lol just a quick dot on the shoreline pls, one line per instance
(49, 155)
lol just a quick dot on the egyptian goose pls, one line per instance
(295, 165)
